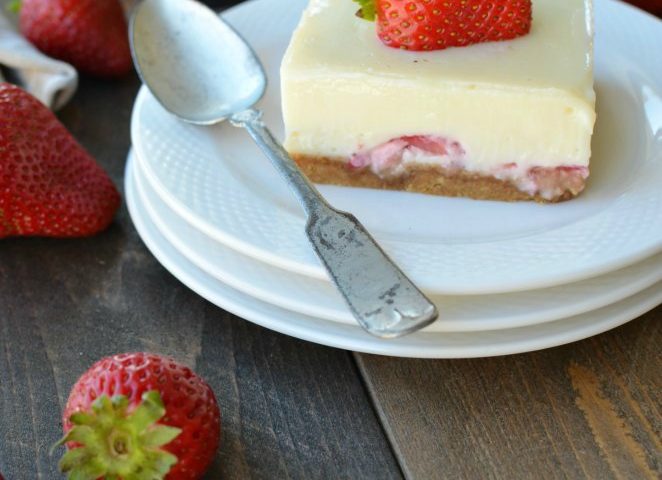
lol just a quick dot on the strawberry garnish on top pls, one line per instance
(49, 185)
(92, 35)
(440, 24)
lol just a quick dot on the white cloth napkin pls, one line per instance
(51, 81)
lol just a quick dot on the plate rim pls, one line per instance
(360, 341)
(224, 275)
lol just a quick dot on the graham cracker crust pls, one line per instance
(426, 179)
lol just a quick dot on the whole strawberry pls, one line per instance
(139, 415)
(92, 35)
(653, 6)
(440, 24)
(49, 185)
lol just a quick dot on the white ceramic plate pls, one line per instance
(319, 299)
(420, 345)
(220, 183)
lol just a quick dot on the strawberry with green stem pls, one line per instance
(438, 24)
(140, 416)
(112, 443)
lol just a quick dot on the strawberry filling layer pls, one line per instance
(393, 159)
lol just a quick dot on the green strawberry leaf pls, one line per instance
(14, 6)
(162, 461)
(81, 418)
(82, 434)
(115, 443)
(367, 10)
(148, 412)
(80, 465)
(73, 458)
(160, 435)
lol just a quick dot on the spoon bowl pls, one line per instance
(175, 46)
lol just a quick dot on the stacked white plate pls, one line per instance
(506, 278)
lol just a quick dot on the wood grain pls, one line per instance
(290, 409)
(586, 410)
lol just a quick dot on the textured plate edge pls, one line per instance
(514, 321)
(415, 351)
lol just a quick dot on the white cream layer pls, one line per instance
(528, 101)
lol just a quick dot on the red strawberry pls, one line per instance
(49, 185)
(92, 35)
(157, 416)
(439, 24)
(653, 6)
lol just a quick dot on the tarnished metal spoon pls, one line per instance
(203, 72)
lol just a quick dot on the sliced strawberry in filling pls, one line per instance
(391, 158)
(395, 158)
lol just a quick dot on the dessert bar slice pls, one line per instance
(506, 120)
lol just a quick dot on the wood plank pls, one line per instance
(290, 409)
(586, 410)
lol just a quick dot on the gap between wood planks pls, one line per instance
(385, 427)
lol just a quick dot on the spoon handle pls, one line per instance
(381, 297)
(304, 190)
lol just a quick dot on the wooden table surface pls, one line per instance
(292, 409)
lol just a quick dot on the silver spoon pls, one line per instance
(203, 72)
